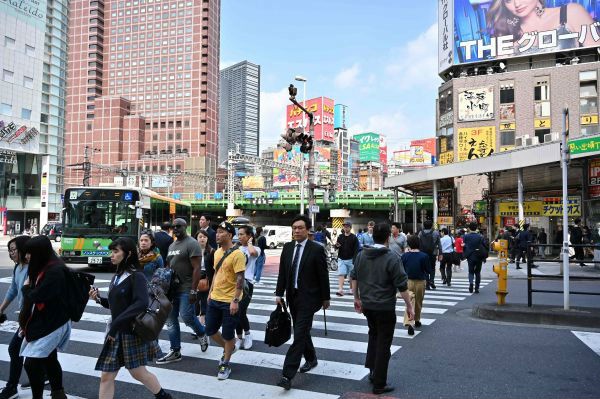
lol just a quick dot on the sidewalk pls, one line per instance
(544, 268)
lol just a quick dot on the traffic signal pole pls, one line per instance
(311, 159)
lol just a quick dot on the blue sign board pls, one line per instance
(177, 196)
(274, 194)
(247, 195)
(198, 196)
(218, 196)
(128, 196)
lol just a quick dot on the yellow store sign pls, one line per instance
(479, 142)
(446, 157)
(530, 208)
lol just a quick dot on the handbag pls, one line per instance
(203, 284)
(279, 327)
(148, 324)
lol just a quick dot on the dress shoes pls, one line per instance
(417, 324)
(385, 389)
(285, 383)
(307, 366)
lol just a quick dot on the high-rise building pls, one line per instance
(239, 118)
(143, 92)
(32, 109)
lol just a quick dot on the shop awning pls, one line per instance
(420, 180)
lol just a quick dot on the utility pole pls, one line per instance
(564, 161)
(86, 165)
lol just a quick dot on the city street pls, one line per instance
(452, 356)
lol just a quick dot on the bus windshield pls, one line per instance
(99, 218)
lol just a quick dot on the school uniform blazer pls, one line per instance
(313, 277)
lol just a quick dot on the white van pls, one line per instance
(277, 235)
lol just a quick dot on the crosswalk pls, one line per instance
(339, 335)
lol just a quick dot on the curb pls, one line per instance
(552, 315)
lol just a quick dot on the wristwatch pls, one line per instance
(236, 300)
(193, 292)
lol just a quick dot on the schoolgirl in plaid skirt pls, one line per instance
(127, 297)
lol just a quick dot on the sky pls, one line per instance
(378, 57)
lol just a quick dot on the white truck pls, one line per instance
(277, 235)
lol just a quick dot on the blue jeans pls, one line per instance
(258, 268)
(181, 306)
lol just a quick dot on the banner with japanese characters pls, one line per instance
(553, 206)
(476, 104)
(322, 109)
(17, 137)
(478, 142)
(485, 30)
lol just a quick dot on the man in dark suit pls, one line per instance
(205, 225)
(303, 277)
(163, 239)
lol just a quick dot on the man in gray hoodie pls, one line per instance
(377, 276)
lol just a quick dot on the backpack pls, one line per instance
(481, 253)
(279, 327)
(167, 280)
(427, 243)
(78, 286)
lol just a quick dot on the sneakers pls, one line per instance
(411, 330)
(9, 392)
(171, 357)
(224, 371)
(471, 288)
(247, 343)
(238, 344)
(204, 343)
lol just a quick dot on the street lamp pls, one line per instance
(302, 79)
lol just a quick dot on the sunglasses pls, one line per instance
(178, 226)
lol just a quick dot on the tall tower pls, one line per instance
(143, 88)
(239, 117)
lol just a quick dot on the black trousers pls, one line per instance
(446, 267)
(431, 271)
(302, 317)
(381, 333)
(38, 368)
(16, 361)
(244, 324)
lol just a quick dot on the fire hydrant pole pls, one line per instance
(501, 269)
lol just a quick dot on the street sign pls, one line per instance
(314, 208)
(584, 145)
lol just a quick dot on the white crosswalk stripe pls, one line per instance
(341, 352)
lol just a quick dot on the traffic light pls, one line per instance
(297, 136)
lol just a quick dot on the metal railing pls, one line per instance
(531, 276)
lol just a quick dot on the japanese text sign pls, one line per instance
(476, 143)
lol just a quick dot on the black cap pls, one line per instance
(227, 227)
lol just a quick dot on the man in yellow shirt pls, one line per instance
(225, 295)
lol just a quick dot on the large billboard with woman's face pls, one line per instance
(481, 30)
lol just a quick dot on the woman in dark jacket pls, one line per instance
(127, 297)
(44, 319)
(206, 269)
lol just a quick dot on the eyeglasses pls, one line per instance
(178, 226)
(11, 250)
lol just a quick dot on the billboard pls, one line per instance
(323, 163)
(340, 120)
(383, 158)
(284, 178)
(253, 183)
(478, 142)
(368, 147)
(483, 30)
(32, 12)
(323, 111)
(594, 178)
(476, 104)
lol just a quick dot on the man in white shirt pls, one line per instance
(445, 257)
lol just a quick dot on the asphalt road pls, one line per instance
(455, 356)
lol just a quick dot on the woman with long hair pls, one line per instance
(517, 17)
(149, 254)
(16, 251)
(207, 268)
(44, 321)
(122, 348)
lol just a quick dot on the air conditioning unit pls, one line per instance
(551, 137)
(521, 141)
(532, 141)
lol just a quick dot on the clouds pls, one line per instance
(415, 64)
(272, 116)
(347, 77)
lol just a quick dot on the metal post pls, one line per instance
(301, 185)
(529, 293)
(520, 198)
(415, 213)
(435, 204)
(490, 208)
(396, 215)
(565, 165)
(311, 179)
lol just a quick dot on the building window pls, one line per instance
(507, 101)
(507, 138)
(540, 133)
(25, 113)
(8, 76)
(29, 50)
(588, 102)
(28, 82)
(541, 97)
(9, 42)
(6, 109)
(445, 102)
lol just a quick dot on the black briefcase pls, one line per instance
(279, 327)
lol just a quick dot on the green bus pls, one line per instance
(94, 216)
